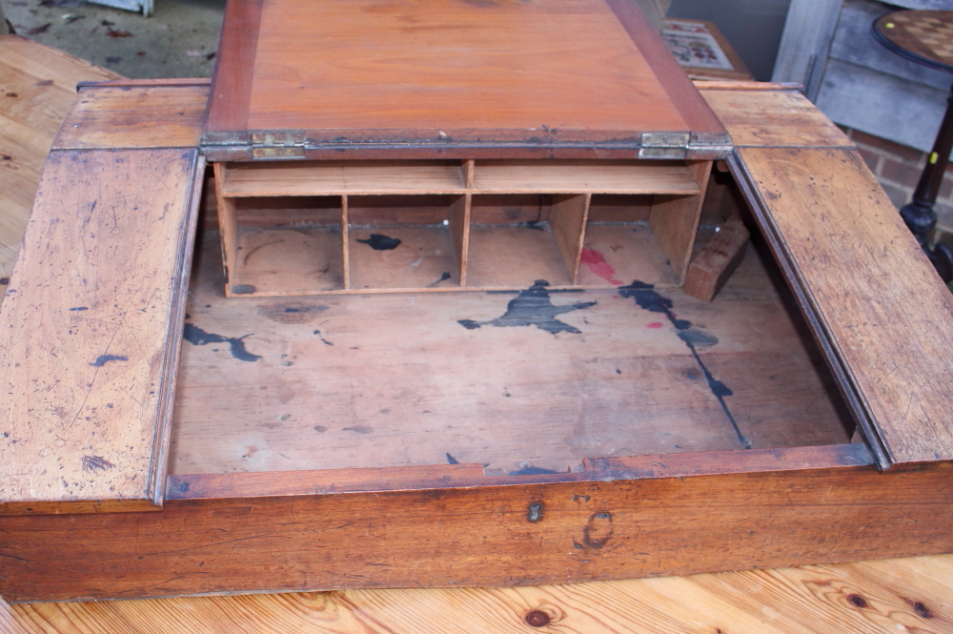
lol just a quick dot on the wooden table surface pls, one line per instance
(906, 595)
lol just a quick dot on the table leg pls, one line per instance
(919, 215)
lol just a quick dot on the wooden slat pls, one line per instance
(583, 178)
(567, 220)
(772, 118)
(674, 220)
(329, 178)
(886, 313)
(89, 331)
(135, 117)
(459, 220)
(878, 597)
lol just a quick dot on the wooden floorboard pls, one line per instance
(37, 89)
(902, 595)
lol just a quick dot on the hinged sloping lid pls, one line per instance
(881, 313)
(429, 76)
(90, 329)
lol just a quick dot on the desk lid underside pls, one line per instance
(516, 76)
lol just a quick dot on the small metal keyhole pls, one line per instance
(535, 512)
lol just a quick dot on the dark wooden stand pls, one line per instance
(916, 35)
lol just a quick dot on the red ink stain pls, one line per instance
(598, 265)
(654, 324)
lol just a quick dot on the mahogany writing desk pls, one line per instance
(161, 438)
(448, 127)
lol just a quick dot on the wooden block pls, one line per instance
(91, 332)
(717, 260)
(878, 300)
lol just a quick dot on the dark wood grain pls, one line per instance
(579, 531)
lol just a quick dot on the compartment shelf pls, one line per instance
(578, 177)
(314, 178)
(470, 224)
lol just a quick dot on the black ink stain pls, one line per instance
(360, 429)
(526, 471)
(78, 308)
(452, 460)
(598, 530)
(242, 289)
(294, 314)
(103, 359)
(4, 281)
(532, 307)
(320, 429)
(648, 299)
(697, 338)
(443, 278)
(96, 463)
(198, 337)
(380, 242)
(323, 340)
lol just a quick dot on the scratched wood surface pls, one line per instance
(37, 89)
(770, 118)
(887, 315)
(134, 117)
(371, 67)
(877, 597)
(91, 330)
(619, 379)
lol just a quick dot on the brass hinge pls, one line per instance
(277, 145)
(669, 145)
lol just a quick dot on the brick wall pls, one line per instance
(898, 169)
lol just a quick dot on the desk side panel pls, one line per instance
(480, 536)
(90, 329)
(878, 301)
